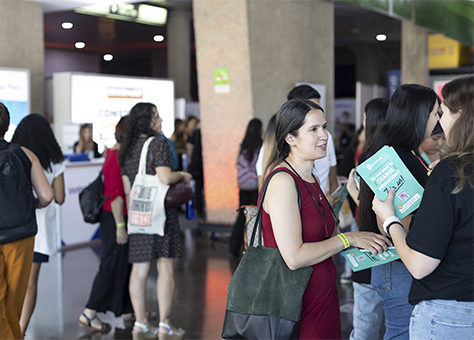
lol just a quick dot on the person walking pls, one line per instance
(18, 225)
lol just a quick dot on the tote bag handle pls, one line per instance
(258, 221)
(143, 154)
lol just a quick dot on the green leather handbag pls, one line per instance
(264, 298)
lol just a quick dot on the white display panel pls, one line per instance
(102, 100)
(15, 95)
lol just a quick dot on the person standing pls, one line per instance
(145, 122)
(17, 239)
(411, 117)
(247, 180)
(438, 249)
(308, 236)
(109, 291)
(34, 132)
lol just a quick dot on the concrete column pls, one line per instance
(178, 39)
(22, 43)
(267, 46)
(414, 54)
(222, 41)
(290, 41)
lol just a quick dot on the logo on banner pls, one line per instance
(124, 92)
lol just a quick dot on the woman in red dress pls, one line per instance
(308, 237)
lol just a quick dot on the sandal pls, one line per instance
(149, 332)
(177, 334)
(105, 327)
(131, 317)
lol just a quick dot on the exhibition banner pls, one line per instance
(103, 100)
(15, 95)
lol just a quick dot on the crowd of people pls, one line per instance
(428, 291)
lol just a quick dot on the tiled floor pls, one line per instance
(202, 277)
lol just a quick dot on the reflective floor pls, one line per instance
(202, 277)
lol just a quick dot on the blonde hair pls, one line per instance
(270, 154)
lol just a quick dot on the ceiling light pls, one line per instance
(381, 37)
(108, 57)
(80, 45)
(158, 38)
(67, 25)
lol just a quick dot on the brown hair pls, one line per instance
(458, 97)
(86, 146)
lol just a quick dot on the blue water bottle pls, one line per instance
(190, 204)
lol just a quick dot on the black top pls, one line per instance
(443, 229)
(96, 149)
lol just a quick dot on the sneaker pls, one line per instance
(346, 278)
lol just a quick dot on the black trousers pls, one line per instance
(246, 197)
(109, 290)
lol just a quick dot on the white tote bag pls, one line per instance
(146, 213)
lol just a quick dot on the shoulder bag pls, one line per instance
(91, 200)
(264, 298)
(146, 213)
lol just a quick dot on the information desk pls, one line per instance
(77, 176)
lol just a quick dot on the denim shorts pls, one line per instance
(393, 282)
(442, 320)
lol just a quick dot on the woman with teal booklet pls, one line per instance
(411, 117)
(438, 249)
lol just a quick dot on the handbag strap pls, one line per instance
(258, 222)
(142, 164)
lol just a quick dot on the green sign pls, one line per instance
(221, 80)
(221, 76)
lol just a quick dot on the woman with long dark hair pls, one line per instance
(411, 116)
(109, 291)
(307, 236)
(145, 122)
(247, 180)
(34, 132)
(438, 249)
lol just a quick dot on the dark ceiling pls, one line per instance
(136, 53)
(353, 25)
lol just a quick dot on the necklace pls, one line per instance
(312, 184)
(318, 204)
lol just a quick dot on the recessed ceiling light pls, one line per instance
(381, 37)
(158, 38)
(108, 57)
(80, 44)
(67, 25)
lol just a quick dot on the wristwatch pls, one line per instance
(389, 221)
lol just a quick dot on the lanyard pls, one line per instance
(421, 161)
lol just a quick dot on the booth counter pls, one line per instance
(77, 176)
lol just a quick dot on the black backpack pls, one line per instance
(17, 202)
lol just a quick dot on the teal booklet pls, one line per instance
(360, 259)
(385, 170)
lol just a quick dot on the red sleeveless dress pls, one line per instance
(320, 317)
